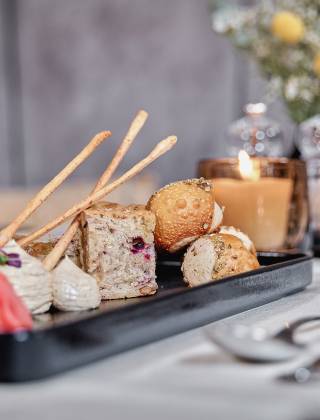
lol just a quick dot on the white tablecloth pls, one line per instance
(180, 377)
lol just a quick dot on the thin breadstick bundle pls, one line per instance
(60, 248)
(7, 233)
(162, 147)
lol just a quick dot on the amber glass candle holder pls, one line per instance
(271, 207)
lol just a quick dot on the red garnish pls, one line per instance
(14, 315)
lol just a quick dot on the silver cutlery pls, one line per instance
(305, 373)
(253, 344)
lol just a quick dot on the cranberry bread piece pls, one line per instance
(118, 249)
(40, 250)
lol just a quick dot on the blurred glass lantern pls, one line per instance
(309, 138)
(308, 143)
(255, 133)
(313, 167)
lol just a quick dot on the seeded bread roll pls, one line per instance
(184, 211)
(214, 257)
(242, 236)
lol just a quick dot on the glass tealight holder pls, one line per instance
(313, 167)
(309, 138)
(270, 207)
(255, 133)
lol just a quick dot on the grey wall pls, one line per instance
(70, 68)
(5, 177)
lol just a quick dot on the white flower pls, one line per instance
(291, 89)
(274, 89)
(307, 95)
(230, 19)
(262, 48)
(220, 23)
(289, 69)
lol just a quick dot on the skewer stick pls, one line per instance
(7, 233)
(163, 147)
(61, 246)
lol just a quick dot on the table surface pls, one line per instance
(181, 377)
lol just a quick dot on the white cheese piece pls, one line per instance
(73, 289)
(31, 281)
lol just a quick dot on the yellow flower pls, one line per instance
(316, 65)
(288, 27)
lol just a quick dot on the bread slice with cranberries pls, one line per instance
(118, 249)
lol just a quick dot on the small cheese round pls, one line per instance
(73, 289)
(31, 282)
(214, 257)
(184, 211)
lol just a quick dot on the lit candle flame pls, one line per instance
(247, 168)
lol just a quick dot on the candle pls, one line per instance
(259, 206)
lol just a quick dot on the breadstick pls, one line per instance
(135, 127)
(51, 260)
(163, 147)
(7, 233)
(59, 249)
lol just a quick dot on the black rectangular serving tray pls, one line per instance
(62, 341)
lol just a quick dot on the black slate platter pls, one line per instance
(62, 341)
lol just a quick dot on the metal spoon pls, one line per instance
(302, 374)
(255, 345)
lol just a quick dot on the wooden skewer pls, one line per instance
(7, 233)
(61, 246)
(163, 147)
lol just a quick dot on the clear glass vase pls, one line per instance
(255, 133)
(308, 139)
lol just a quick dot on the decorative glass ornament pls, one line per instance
(255, 133)
(309, 138)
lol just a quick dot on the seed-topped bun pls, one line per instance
(184, 211)
(213, 257)
(230, 230)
